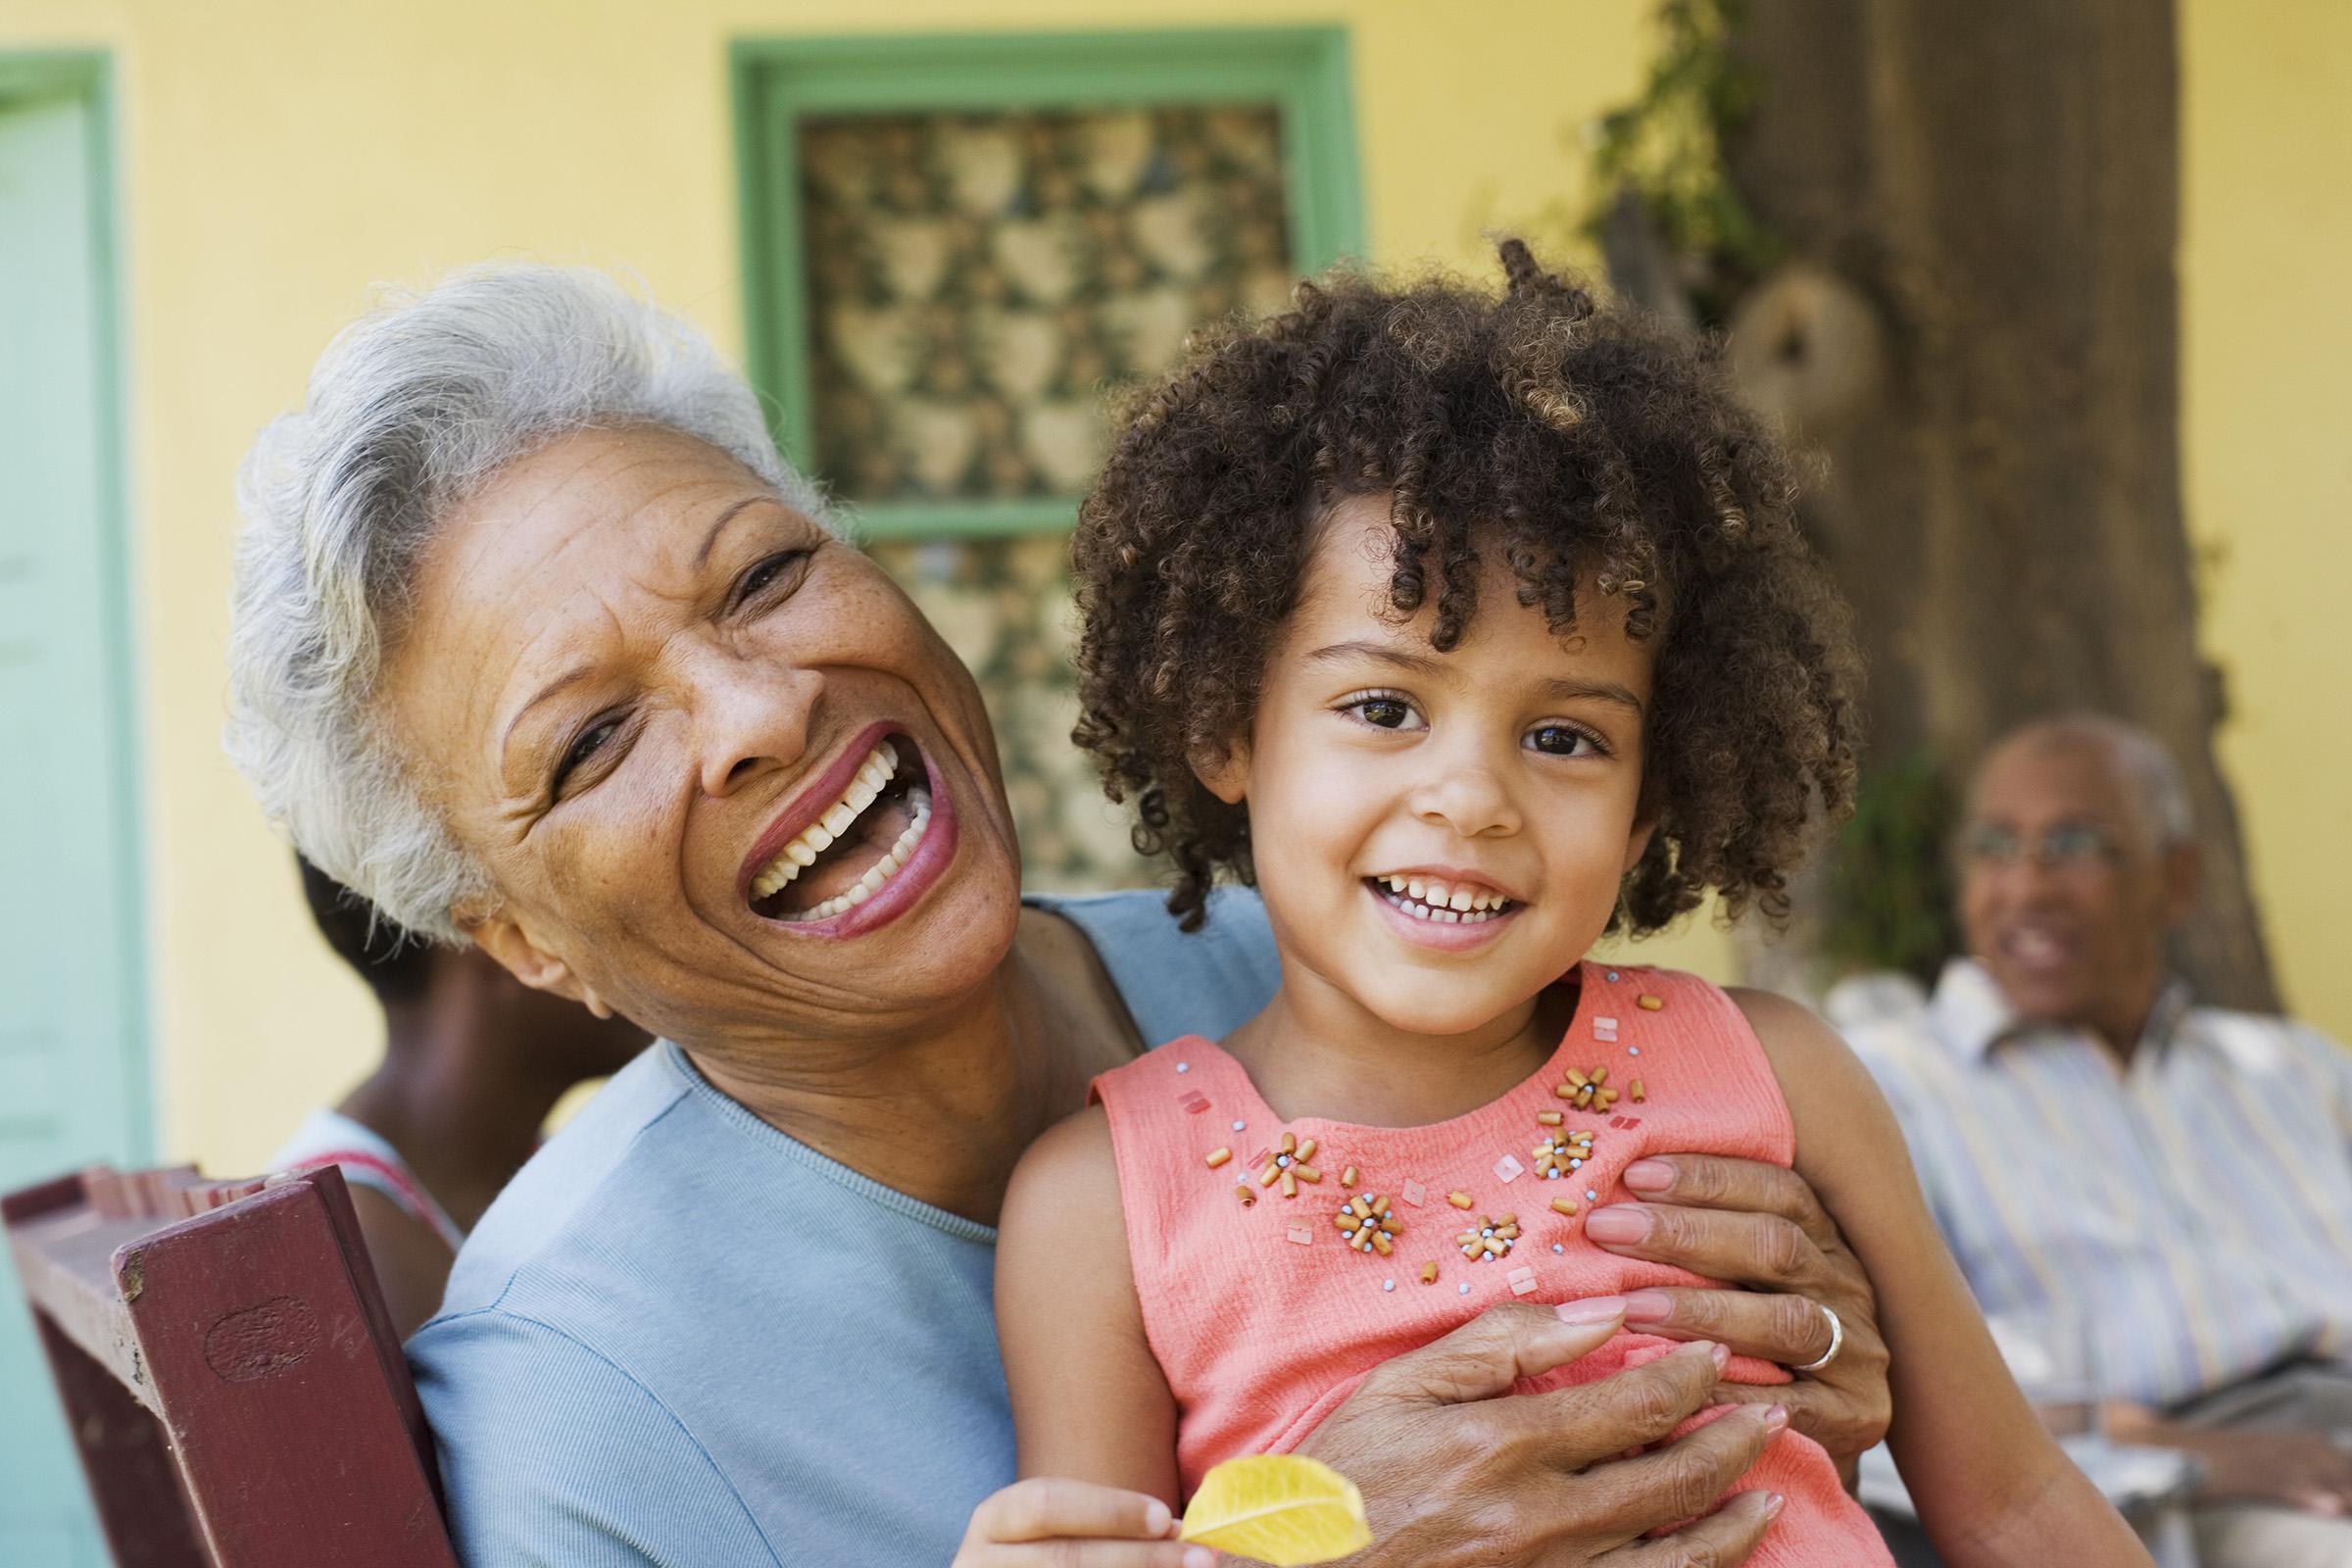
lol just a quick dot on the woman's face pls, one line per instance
(642, 691)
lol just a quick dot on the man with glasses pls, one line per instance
(2162, 1190)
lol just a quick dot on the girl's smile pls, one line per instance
(1447, 909)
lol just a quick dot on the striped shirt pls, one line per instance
(2195, 1210)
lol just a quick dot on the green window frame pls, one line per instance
(1304, 72)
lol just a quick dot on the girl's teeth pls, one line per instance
(1427, 900)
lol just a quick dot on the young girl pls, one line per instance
(1468, 629)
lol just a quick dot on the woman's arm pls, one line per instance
(1991, 1485)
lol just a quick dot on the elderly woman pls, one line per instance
(540, 645)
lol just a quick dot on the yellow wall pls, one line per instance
(279, 157)
(2267, 394)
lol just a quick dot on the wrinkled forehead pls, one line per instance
(565, 551)
(2033, 781)
(587, 506)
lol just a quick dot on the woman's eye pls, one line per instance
(1560, 740)
(764, 573)
(591, 740)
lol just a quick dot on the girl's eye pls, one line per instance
(591, 740)
(1561, 740)
(1381, 710)
(764, 573)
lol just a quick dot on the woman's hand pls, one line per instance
(1453, 1475)
(1048, 1523)
(1758, 1226)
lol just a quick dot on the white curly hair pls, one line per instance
(410, 410)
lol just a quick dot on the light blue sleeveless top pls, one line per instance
(681, 1337)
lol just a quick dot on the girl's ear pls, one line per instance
(519, 956)
(1637, 842)
(1226, 776)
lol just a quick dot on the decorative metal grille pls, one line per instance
(980, 282)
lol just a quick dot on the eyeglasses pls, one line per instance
(2067, 846)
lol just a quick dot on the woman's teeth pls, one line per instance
(877, 770)
(1427, 898)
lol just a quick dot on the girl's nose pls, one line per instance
(752, 718)
(1470, 801)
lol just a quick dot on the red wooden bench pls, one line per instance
(228, 1371)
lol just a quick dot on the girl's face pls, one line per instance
(1438, 836)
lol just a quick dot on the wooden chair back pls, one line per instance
(228, 1370)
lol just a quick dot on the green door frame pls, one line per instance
(71, 1125)
(777, 81)
(38, 76)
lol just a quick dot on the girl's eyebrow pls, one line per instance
(1341, 653)
(1603, 690)
(1599, 691)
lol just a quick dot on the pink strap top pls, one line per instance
(1276, 1262)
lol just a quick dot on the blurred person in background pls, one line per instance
(2166, 1185)
(473, 1061)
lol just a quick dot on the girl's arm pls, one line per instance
(1991, 1485)
(1089, 1401)
(1453, 1474)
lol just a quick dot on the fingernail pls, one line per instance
(1649, 1175)
(1592, 1309)
(1776, 1418)
(1619, 1223)
(1156, 1518)
(1720, 1354)
(1200, 1557)
(1648, 1307)
(1771, 1510)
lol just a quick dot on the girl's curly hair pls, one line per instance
(1587, 444)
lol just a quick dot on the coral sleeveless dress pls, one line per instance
(1278, 1263)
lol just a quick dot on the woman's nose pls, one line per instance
(754, 719)
(1469, 800)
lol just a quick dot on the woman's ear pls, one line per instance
(1225, 774)
(519, 956)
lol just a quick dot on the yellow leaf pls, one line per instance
(1278, 1509)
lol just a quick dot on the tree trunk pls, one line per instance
(1978, 330)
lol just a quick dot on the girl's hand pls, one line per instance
(1049, 1523)
(1455, 1476)
(1759, 1226)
